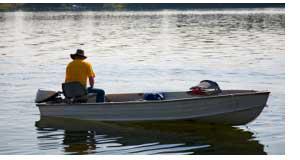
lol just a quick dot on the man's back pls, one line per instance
(79, 70)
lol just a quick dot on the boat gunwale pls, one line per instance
(161, 101)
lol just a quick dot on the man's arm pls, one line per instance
(92, 81)
(67, 77)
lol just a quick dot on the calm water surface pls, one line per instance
(141, 52)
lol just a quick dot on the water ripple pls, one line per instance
(136, 52)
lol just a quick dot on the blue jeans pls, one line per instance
(100, 94)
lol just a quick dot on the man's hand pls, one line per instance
(92, 81)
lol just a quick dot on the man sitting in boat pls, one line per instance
(79, 71)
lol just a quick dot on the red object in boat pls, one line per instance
(197, 90)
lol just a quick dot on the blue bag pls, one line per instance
(154, 96)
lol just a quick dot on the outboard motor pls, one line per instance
(46, 96)
(206, 87)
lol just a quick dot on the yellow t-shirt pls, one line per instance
(80, 71)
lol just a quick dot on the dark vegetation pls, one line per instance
(129, 6)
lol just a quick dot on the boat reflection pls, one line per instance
(182, 137)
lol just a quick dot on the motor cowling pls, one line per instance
(45, 95)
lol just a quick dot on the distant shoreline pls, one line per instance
(39, 7)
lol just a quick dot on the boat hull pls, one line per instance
(232, 109)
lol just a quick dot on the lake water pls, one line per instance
(142, 52)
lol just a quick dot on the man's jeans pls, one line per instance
(100, 94)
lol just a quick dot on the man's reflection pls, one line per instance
(79, 142)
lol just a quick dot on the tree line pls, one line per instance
(129, 6)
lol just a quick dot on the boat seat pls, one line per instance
(124, 97)
(75, 92)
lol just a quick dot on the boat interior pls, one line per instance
(76, 90)
(127, 97)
